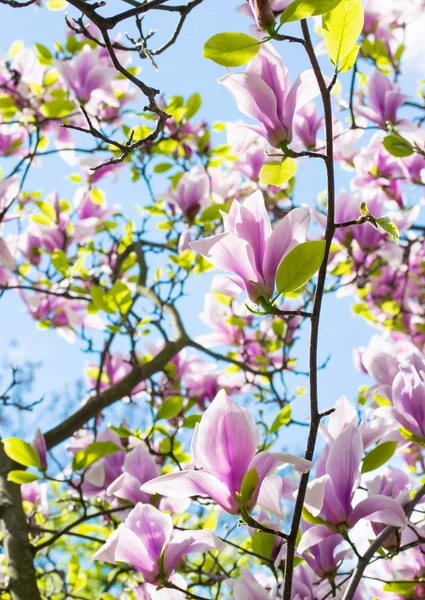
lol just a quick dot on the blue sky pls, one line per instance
(182, 70)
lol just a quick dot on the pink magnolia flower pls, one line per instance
(89, 75)
(307, 123)
(9, 189)
(248, 586)
(6, 259)
(146, 539)
(104, 471)
(264, 93)
(250, 249)
(384, 99)
(331, 494)
(223, 447)
(139, 467)
(39, 444)
(115, 368)
(192, 193)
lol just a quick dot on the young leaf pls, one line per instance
(276, 173)
(193, 105)
(85, 458)
(282, 418)
(301, 9)
(299, 266)
(348, 62)
(389, 227)
(20, 477)
(262, 543)
(21, 452)
(397, 146)
(248, 487)
(378, 456)
(231, 49)
(341, 29)
(171, 408)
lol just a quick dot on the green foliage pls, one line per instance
(302, 9)
(85, 458)
(277, 173)
(378, 456)
(170, 408)
(283, 418)
(21, 477)
(21, 452)
(342, 27)
(231, 49)
(299, 266)
(397, 145)
(57, 109)
(248, 487)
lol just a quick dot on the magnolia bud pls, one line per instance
(263, 13)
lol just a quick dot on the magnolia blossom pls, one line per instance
(223, 447)
(264, 93)
(6, 259)
(139, 466)
(192, 192)
(248, 586)
(307, 123)
(89, 75)
(146, 541)
(250, 249)
(39, 444)
(331, 494)
(384, 100)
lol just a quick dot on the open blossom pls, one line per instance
(223, 447)
(264, 93)
(192, 192)
(139, 467)
(146, 539)
(384, 98)
(248, 586)
(89, 75)
(331, 494)
(6, 259)
(249, 248)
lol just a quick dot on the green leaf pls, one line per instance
(85, 458)
(342, 27)
(20, 477)
(231, 49)
(248, 487)
(60, 262)
(397, 146)
(403, 588)
(57, 108)
(299, 266)
(44, 55)
(193, 105)
(282, 418)
(162, 167)
(411, 437)
(378, 456)
(122, 432)
(262, 543)
(276, 173)
(191, 420)
(309, 518)
(347, 63)
(302, 9)
(21, 452)
(389, 227)
(170, 408)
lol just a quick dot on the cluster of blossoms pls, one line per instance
(165, 519)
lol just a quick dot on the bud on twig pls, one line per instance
(263, 13)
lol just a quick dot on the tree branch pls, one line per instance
(17, 548)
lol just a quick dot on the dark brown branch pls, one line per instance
(16, 545)
(315, 416)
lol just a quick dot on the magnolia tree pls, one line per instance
(163, 480)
